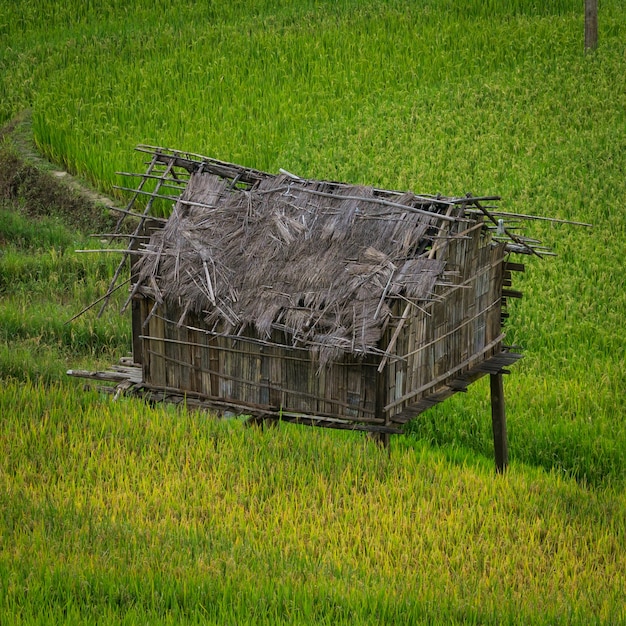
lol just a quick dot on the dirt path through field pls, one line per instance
(19, 133)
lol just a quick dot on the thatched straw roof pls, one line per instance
(322, 261)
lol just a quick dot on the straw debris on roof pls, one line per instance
(316, 259)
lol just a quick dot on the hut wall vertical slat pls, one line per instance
(196, 338)
(225, 367)
(341, 374)
(412, 332)
(208, 379)
(354, 393)
(217, 362)
(146, 363)
(156, 332)
(367, 387)
(185, 354)
(265, 373)
(322, 405)
(290, 401)
(333, 391)
(254, 390)
(416, 360)
(313, 387)
(277, 396)
(252, 373)
(171, 349)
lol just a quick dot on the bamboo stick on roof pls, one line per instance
(523, 216)
(153, 218)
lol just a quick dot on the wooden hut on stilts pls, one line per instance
(310, 301)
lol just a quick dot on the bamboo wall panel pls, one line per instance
(457, 331)
(436, 342)
(188, 358)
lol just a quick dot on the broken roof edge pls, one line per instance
(194, 163)
(237, 178)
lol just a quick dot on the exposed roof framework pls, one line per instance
(321, 260)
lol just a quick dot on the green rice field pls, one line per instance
(116, 512)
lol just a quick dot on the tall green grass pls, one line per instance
(43, 284)
(120, 513)
(114, 511)
(274, 83)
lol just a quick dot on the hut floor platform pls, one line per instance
(126, 379)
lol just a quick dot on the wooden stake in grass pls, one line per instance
(591, 24)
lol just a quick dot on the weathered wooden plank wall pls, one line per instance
(279, 377)
(435, 344)
(460, 328)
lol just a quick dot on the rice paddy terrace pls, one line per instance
(120, 512)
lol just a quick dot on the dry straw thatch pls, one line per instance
(319, 260)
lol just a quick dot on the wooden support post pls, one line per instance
(591, 24)
(498, 422)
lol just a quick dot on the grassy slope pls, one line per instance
(117, 512)
(43, 283)
(448, 99)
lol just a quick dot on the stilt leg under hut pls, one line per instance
(498, 422)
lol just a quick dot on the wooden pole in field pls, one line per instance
(591, 24)
(498, 422)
